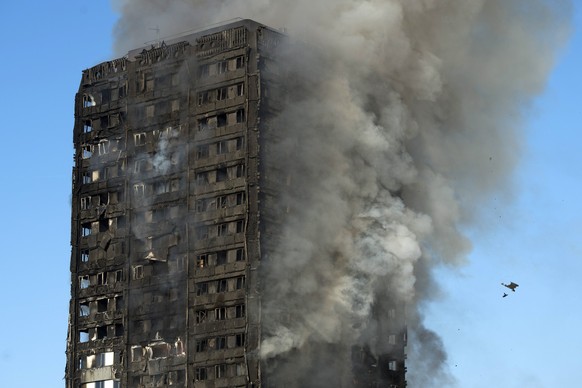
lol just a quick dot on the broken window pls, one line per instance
(240, 62)
(102, 305)
(87, 126)
(84, 256)
(240, 116)
(239, 311)
(201, 345)
(86, 202)
(201, 289)
(221, 174)
(119, 303)
(221, 120)
(200, 316)
(221, 257)
(222, 147)
(239, 340)
(83, 336)
(222, 286)
(86, 178)
(220, 313)
(220, 343)
(104, 225)
(160, 350)
(219, 371)
(202, 261)
(203, 97)
(240, 226)
(102, 278)
(201, 374)
(84, 309)
(221, 94)
(139, 139)
(203, 124)
(240, 283)
(88, 101)
(87, 151)
(101, 332)
(84, 282)
(136, 353)
(86, 229)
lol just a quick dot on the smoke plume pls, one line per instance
(407, 119)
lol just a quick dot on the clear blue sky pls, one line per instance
(530, 339)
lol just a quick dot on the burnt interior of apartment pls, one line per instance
(165, 218)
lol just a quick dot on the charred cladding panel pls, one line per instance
(174, 205)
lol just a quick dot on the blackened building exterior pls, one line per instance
(166, 215)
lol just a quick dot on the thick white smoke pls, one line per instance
(410, 117)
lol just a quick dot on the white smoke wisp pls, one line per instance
(409, 118)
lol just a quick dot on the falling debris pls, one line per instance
(504, 295)
(512, 286)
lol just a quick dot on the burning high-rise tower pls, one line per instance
(181, 208)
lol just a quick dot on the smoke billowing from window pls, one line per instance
(408, 118)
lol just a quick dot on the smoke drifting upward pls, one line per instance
(410, 118)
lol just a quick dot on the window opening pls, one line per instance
(240, 311)
(221, 257)
(86, 229)
(87, 127)
(221, 94)
(220, 343)
(220, 313)
(240, 282)
(88, 101)
(220, 371)
(84, 309)
(221, 120)
(240, 116)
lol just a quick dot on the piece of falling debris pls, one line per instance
(504, 295)
(512, 286)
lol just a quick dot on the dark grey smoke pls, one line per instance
(412, 119)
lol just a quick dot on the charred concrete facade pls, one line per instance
(174, 206)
